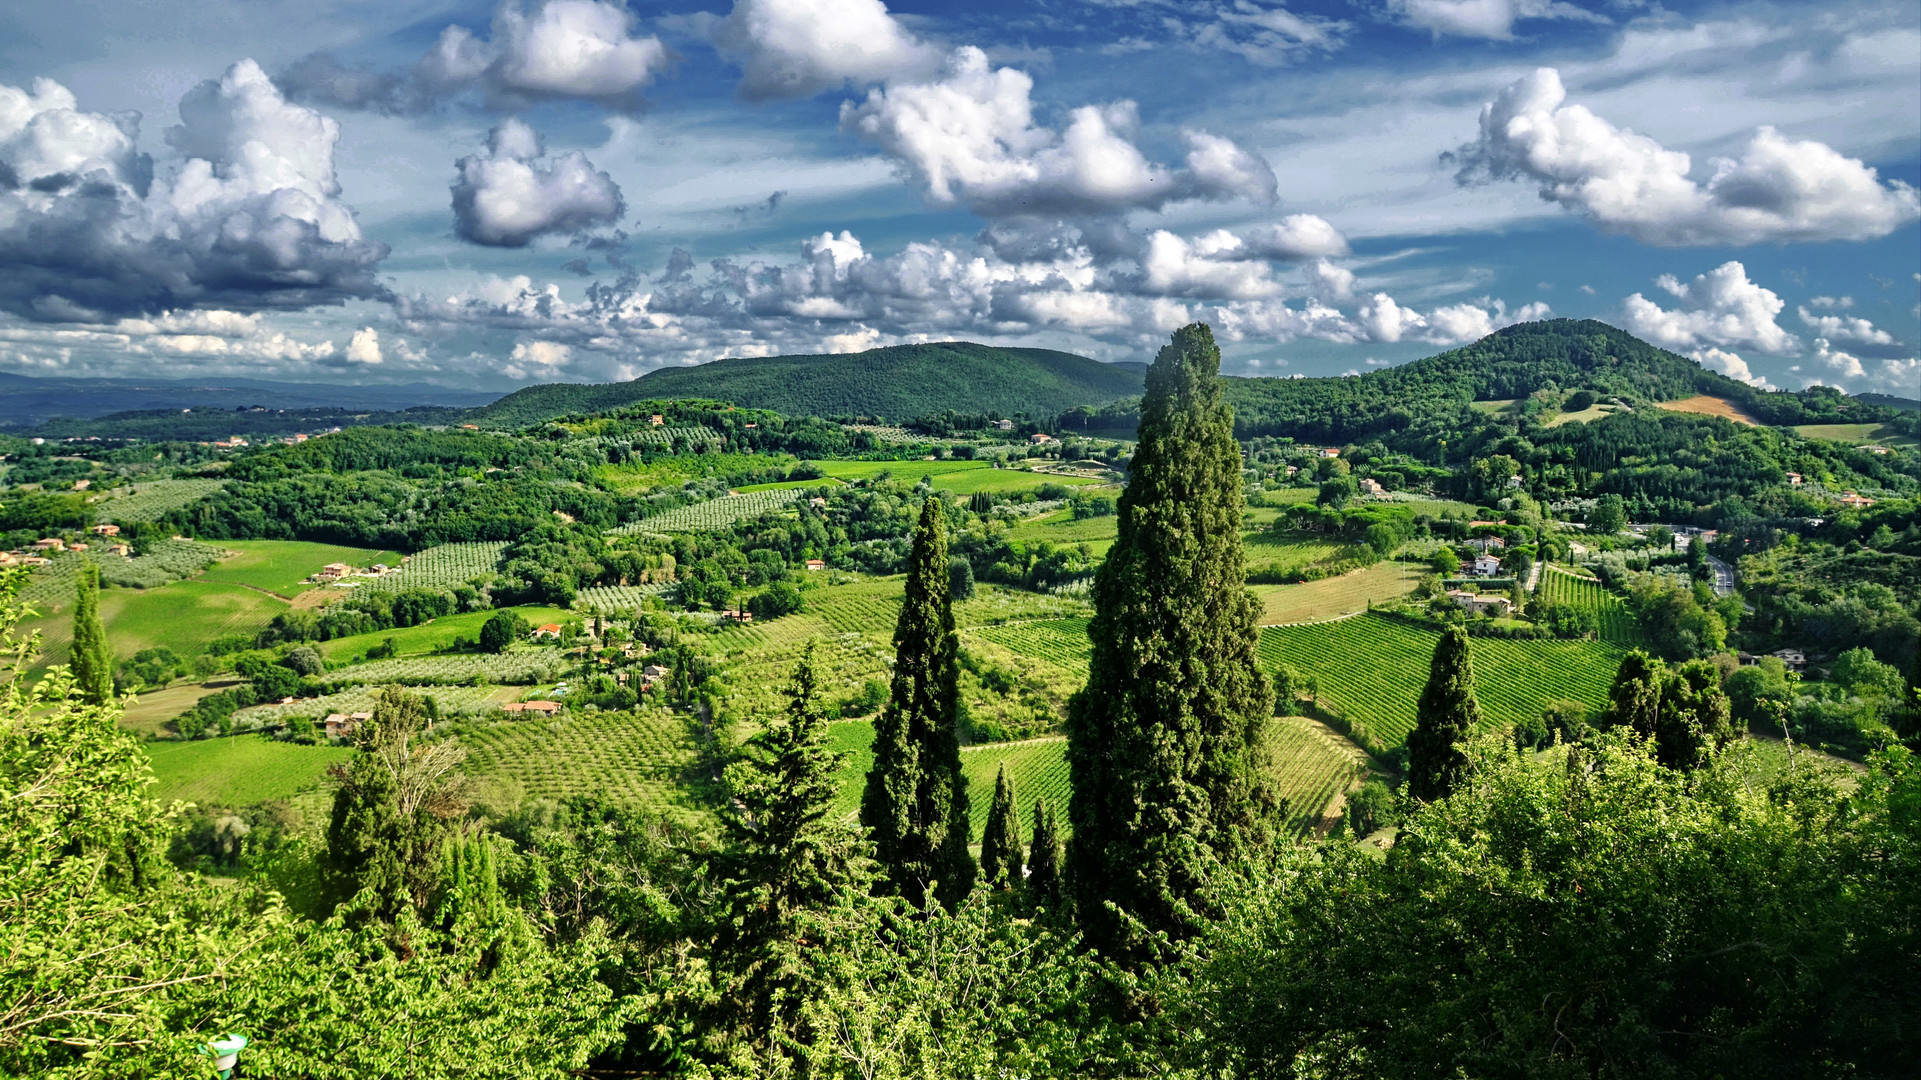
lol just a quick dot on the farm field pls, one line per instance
(154, 499)
(1267, 552)
(450, 700)
(435, 635)
(640, 758)
(899, 470)
(279, 566)
(1584, 416)
(635, 477)
(1709, 405)
(1857, 434)
(1617, 623)
(154, 708)
(1331, 598)
(166, 562)
(608, 599)
(183, 616)
(519, 666)
(1372, 668)
(439, 567)
(1060, 529)
(788, 485)
(714, 513)
(1002, 481)
(237, 770)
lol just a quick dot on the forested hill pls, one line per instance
(1564, 354)
(900, 382)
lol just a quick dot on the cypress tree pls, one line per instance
(1447, 712)
(1001, 839)
(1165, 743)
(1634, 701)
(915, 801)
(92, 659)
(1044, 859)
(392, 810)
(785, 856)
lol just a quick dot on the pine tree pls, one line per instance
(915, 802)
(1166, 742)
(785, 856)
(1044, 859)
(1447, 712)
(92, 661)
(1634, 701)
(1001, 839)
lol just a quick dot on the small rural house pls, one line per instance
(51, 543)
(106, 530)
(549, 631)
(816, 564)
(543, 708)
(342, 725)
(1038, 438)
(655, 671)
(1850, 498)
(1331, 452)
(1371, 486)
(1486, 566)
(1795, 659)
(1477, 604)
(333, 571)
(1003, 425)
(1794, 478)
(120, 549)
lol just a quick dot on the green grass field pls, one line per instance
(1583, 416)
(1060, 529)
(1004, 481)
(1372, 669)
(183, 616)
(1271, 553)
(238, 770)
(1617, 623)
(1331, 598)
(434, 636)
(153, 708)
(789, 485)
(279, 566)
(899, 470)
(1858, 434)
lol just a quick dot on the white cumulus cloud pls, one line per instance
(1847, 328)
(969, 138)
(1730, 364)
(251, 218)
(1778, 190)
(364, 347)
(1484, 18)
(1721, 307)
(798, 48)
(506, 197)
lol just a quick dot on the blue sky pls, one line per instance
(490, 194)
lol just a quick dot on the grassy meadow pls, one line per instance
(281, 566)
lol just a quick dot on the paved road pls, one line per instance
(1723, 576)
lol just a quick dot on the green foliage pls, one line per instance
(1001, 855)
(1165, 743)
(960, 579)
(1371, 807)
(1683, 711)
(92, 658)
(1603, 918)
(1608, 517)
(502, 628)
(1446, 715)
(915, 803)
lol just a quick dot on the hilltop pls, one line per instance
(899, 382)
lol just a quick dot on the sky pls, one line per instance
(486, 195)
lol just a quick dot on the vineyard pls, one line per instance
(1312, 766)
(1331, 598)
(612, 599)
(718, 513)
(1617, 623)
(1371, 669)
(154, 499)
(640, 758)
(519, 666)
(440, 567)
(1062, 642)
(451, 700)
(168, 561)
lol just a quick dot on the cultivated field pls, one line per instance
(153, 499)
(1858, 434)
(639, 758)
(1331, 598)
(714, 513)
(281, 566)
(1372, 668)
(516, 666)
(1617, 623)
(168, 561)
(1708, 405)
(450, 700)
(1060, 529)
(1268, 552)
(440, 567)
(608, 599)
(436, 635)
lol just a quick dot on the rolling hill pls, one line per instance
(900, 382)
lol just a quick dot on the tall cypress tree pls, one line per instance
(915, 801)
(1165, 744)
(1447, 712)
(1001, 839)
(92, 659)
(785, 857)
(1044, 858)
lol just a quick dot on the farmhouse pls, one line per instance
(655, 671)
(1486, 565)
(1795, 659)
(1850, 498)
(1331, 452)
(545, 708)
(105, 530)
(333, 571)
(50, 543)
(1794, 478)
(1477, 604)
(1371, 486)
(120, 549)
(1038, 438)
(816, 564)
(1485, 544)
(550, 630)
(341, 725)
(1003, 425)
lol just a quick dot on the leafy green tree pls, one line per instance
(1756, 691)
(1446, 714)
(1372, 807)
(915, 801)
(306, 660)
(92, 656)
(1045, 859)
(1608, 517)
(960, 578)
(1694, 718)
(502, 629)
(392, 809)
(1634, 700)
(779, 598)
(785, 861)
(1860, 674)
(1446, 563)
(1001, 839)
(1166, 743)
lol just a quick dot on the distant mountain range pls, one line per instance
(904, 382)
(900, 382)
(28, 401)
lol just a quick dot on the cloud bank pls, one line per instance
(506, 197)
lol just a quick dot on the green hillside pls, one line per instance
(899, 382)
